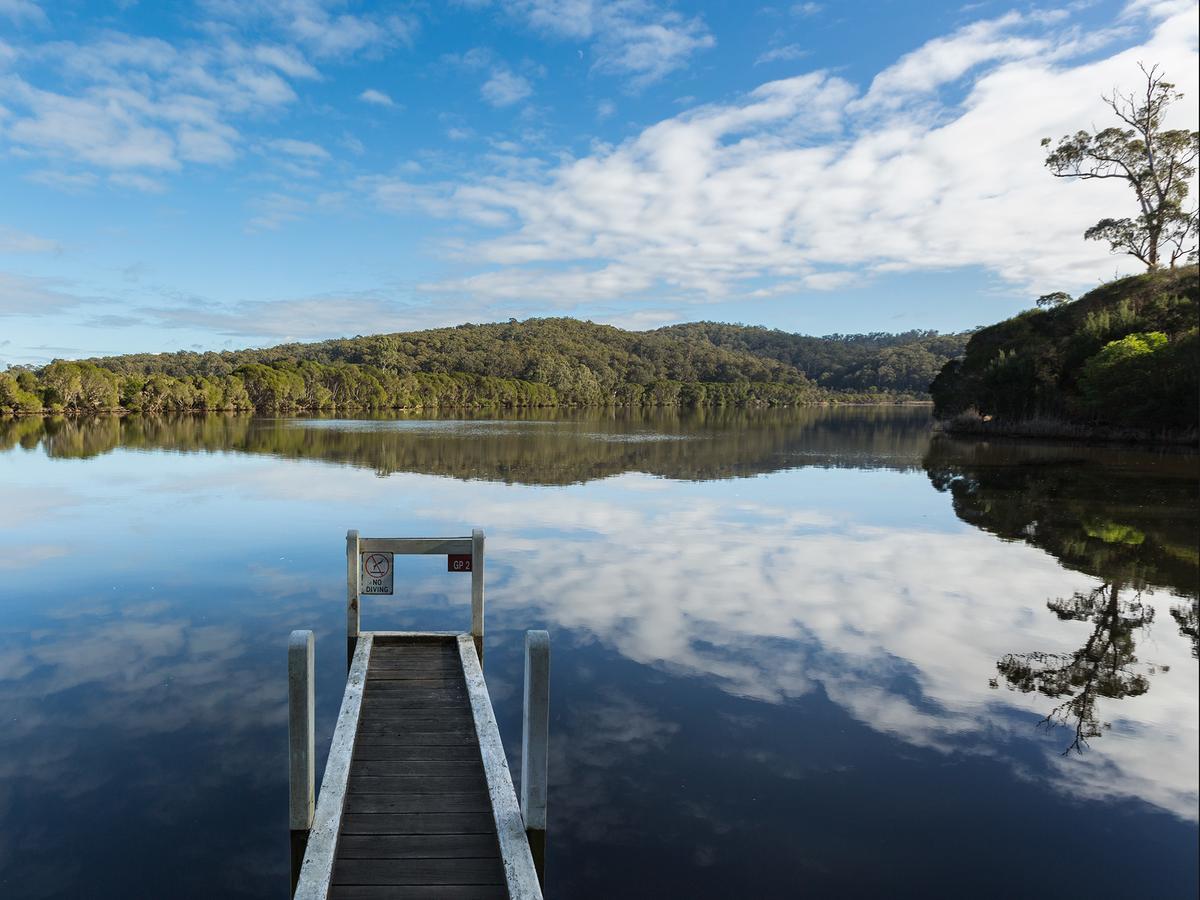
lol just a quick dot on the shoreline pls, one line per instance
(120, 412)
(1066, 432)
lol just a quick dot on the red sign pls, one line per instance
(458, 562)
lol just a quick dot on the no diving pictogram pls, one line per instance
(377, 574)
(377, 565)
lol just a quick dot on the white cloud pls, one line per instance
(216, 143)
(504, 88)
(144, 105)
(126, 103)
(105, 128)
(14, 241)
(142, 183)
(561, 288)
(944, 59)
(308, 318)
(287, 60)
(786, 53)
(636, 39)
(21, 295)
(647, 51)
(20, 11)
(475, 58)
(276, 210)
(378, 98)
(302, 149)
(320, 25)
(67, 182)
(805, 183)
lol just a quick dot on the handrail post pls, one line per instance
(535, 745)
(301, 744)
(353, 589)
(477, 591)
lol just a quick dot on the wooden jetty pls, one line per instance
(417, 799)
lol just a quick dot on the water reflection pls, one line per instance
(1128, 519)
(1187, 617)
(132, 712)
(1124, 516)
(1103, 667)
(755, 677)
(547, 447)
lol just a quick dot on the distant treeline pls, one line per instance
(537, 363)
(1123, 360)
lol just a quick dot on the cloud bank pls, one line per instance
(810, 183)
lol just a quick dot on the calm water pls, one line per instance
(794, 653)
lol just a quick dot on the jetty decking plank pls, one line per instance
(357, 804)
(419, 892)
(418, 784)
(418, 752)
(417, 819)
(419, 871)
(415, 767)
(419, 846)
(419, 823)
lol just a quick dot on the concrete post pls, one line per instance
(535, 731)
(301, 744)
(353, 588)
(477, 591)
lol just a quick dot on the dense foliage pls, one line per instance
(1126, 355)
(536, 363)
(868, 363)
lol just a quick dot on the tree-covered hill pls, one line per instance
(1126, 357)
(538, 362)
(546, 351)
(904, 363)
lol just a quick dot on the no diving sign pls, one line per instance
(378, 575)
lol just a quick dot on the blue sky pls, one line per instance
(226, 173)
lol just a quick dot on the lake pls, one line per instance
(797, 652)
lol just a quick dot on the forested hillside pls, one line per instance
(1124, 357)
(902, 363)
(539, 362)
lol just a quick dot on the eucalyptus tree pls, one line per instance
(1157, 163)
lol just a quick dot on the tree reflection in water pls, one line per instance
(543, 447)
(1187, 617)
(1083, 505)
(1103, 667)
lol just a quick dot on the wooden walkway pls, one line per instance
(417, 799)
(417, 808)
